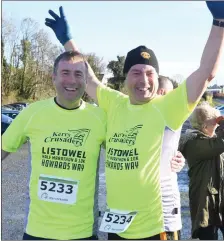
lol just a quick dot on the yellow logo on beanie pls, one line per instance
(145, 55)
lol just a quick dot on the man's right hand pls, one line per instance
(59, 25)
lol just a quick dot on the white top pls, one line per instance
(169, 185)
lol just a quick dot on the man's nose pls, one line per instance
(71, 79)
(144, 78)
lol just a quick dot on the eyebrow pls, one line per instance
(139, 71)
(135, 70)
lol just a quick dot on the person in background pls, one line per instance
(65, 134)
(169, 185)
(204, 152)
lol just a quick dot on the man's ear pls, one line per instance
(161, 91)
(53, 77)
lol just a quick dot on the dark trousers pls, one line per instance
(170, 235)
(29, 237)
(114, 236)
(209, 233)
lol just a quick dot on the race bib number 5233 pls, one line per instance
(56, 189)
(116, 221)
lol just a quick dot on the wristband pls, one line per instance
(218, 23)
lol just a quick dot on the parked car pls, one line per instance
(20, 105)
(16, 106)
(10, 113)
(221, 108)
(9, 107)
(24, 104)
(5, 123)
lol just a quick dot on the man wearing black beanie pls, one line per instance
(140, 55)
(137, 61)
(135, 129)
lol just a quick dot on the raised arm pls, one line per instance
(203, 149)
(62, 31)
(198, 81)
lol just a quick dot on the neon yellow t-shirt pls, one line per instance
(65, 145)
(133, 154)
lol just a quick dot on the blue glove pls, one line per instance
(216, 8)
(59, 25)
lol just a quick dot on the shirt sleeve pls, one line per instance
(175, 108)
(107, 97)
(15, 135)
(203, 149)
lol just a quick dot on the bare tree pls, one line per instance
(9, 42)
(27, 69)
(96, 63)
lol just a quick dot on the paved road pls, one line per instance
(14, 178)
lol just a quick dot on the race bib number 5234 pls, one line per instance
(56, 189)
(116, 221)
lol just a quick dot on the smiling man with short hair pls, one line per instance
(65, 134)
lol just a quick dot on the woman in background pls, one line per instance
(204, 152)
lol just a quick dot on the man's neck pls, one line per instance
(68, 105)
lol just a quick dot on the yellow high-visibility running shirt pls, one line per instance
(64, 148)
(133, 154)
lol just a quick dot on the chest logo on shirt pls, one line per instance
(128, 137)
(75, 137)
